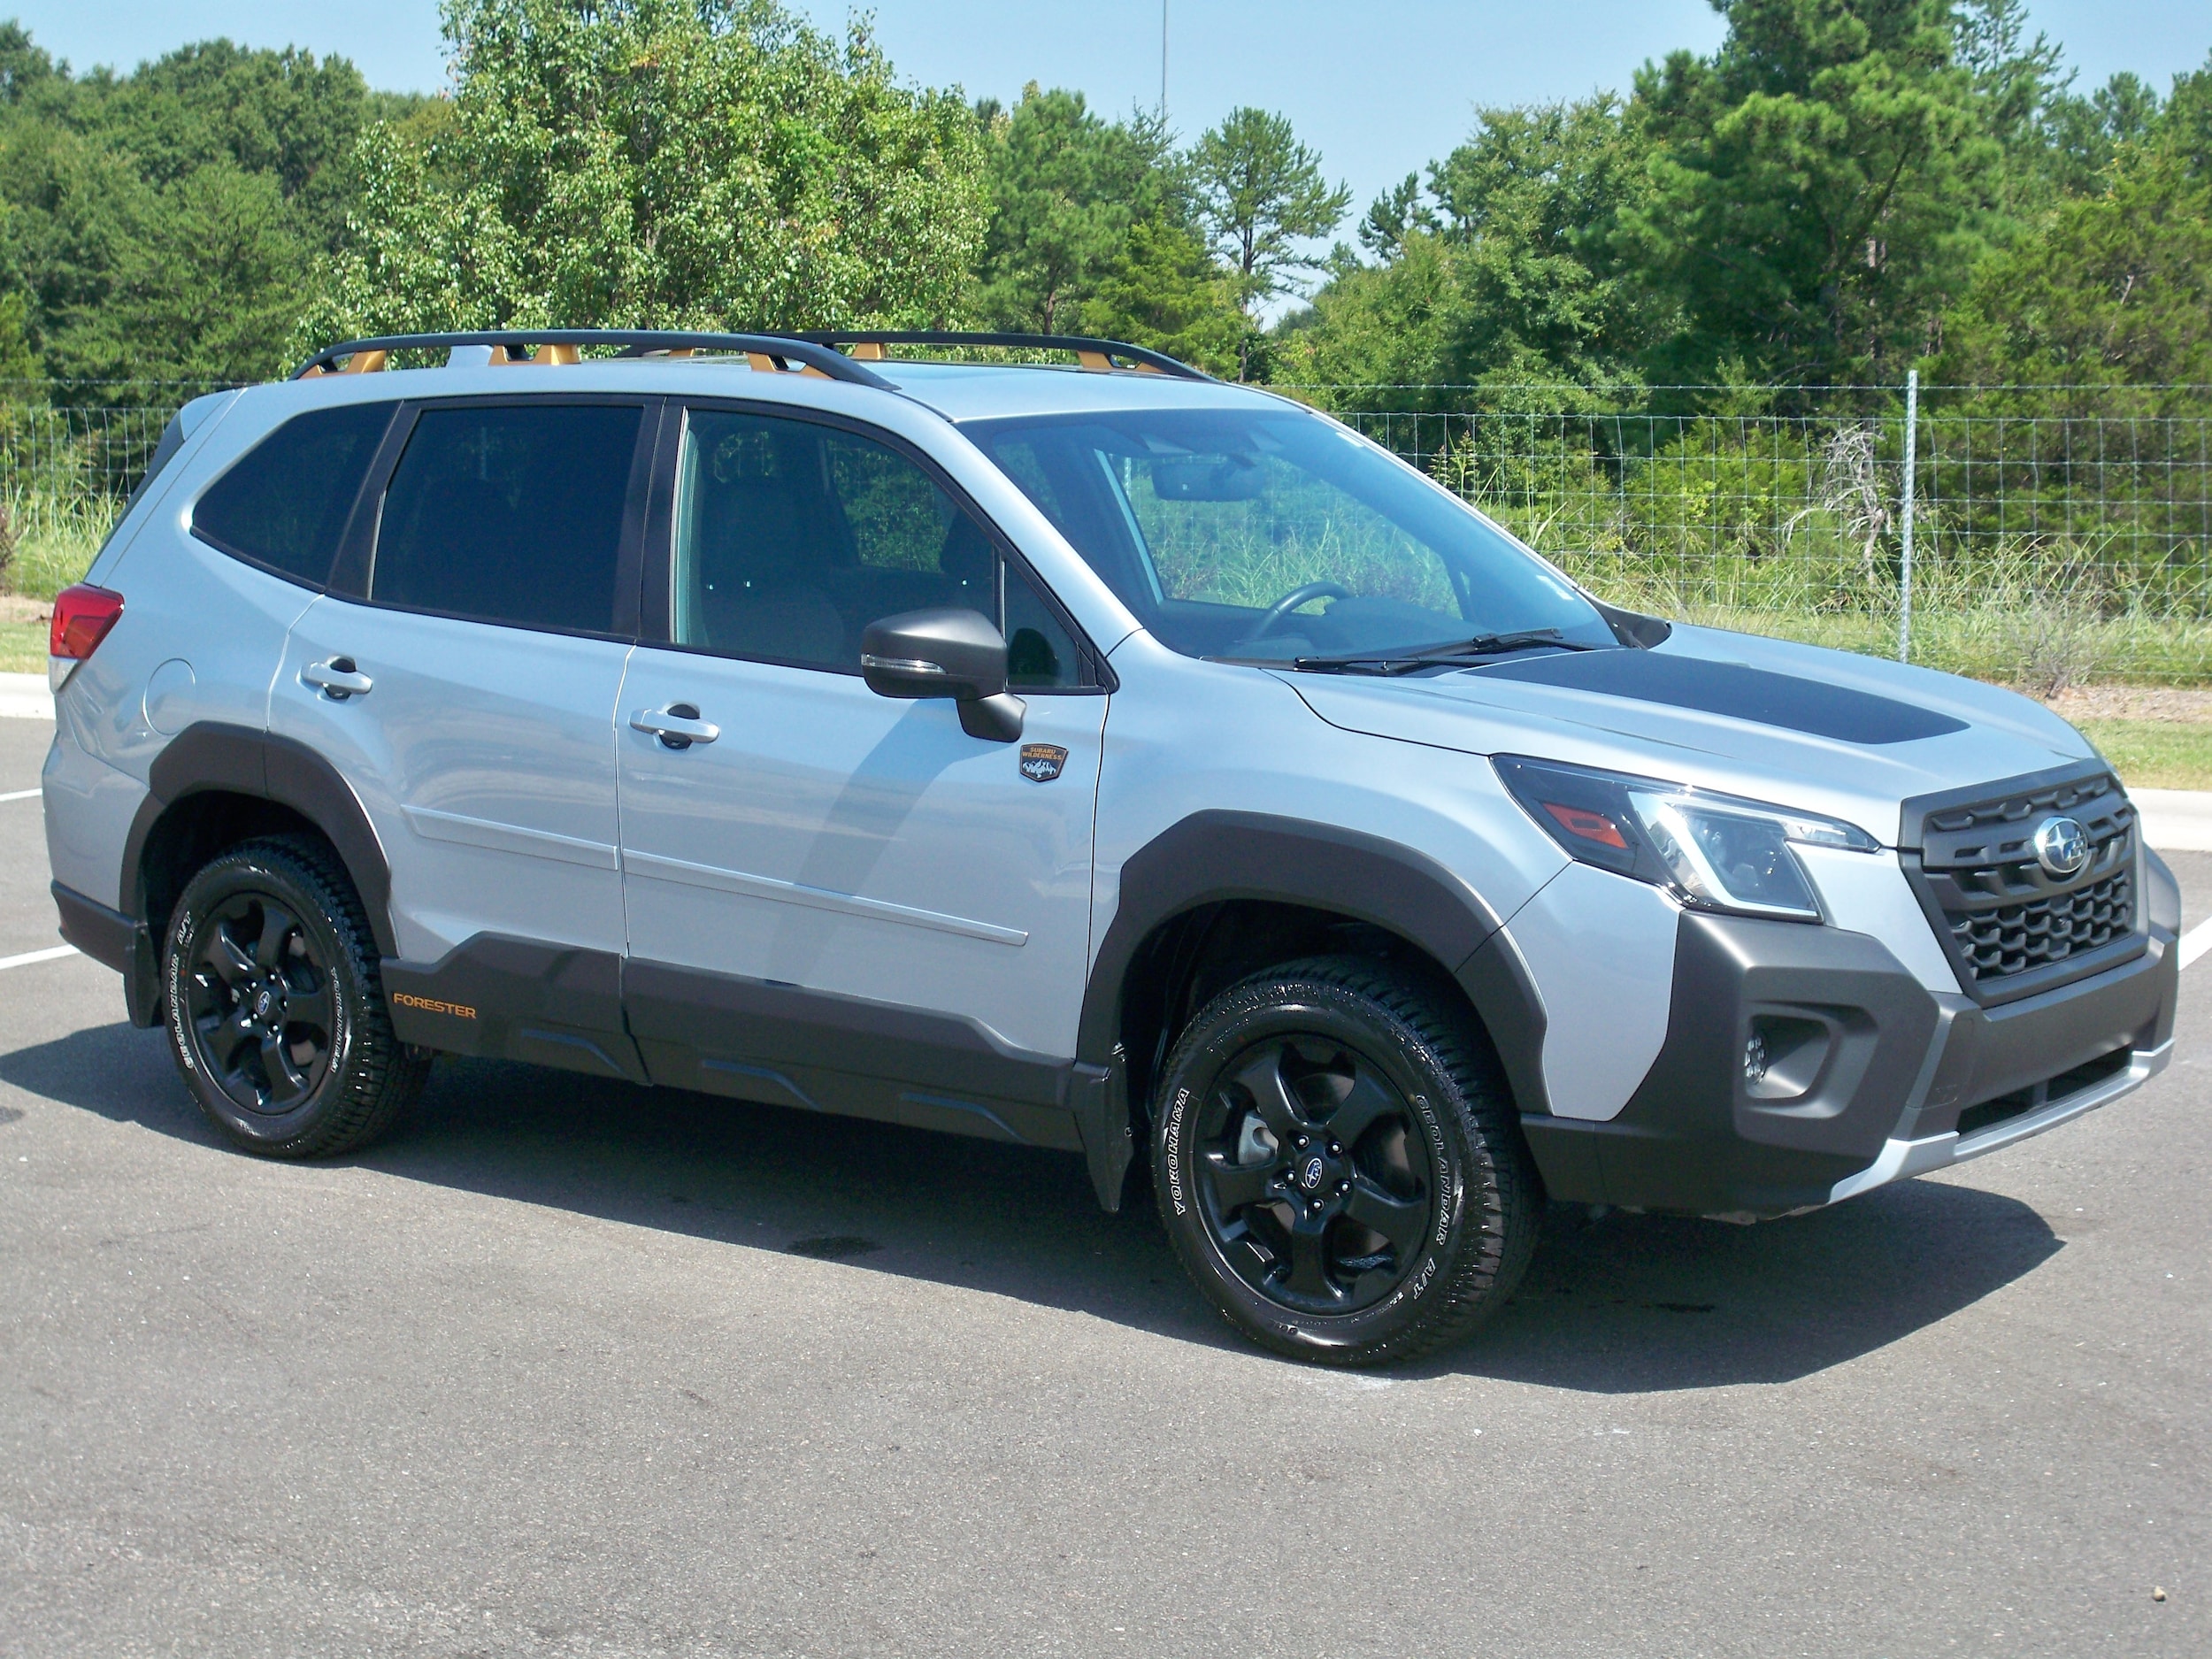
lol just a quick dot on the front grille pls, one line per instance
(2009, 926)
(2013, 938)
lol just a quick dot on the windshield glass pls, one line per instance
(1270, 535)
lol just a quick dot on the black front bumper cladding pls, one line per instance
(1795, 1055)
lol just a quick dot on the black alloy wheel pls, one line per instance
(1339, 1163)
(1313, 1174)
(275, 1004)
(262, 1009)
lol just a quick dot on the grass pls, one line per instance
(2155, 754)
(22, 647)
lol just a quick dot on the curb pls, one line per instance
(2175, 820)
(25, 697)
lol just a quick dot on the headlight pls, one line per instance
(1712, 851)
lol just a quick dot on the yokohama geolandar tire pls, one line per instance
(1340, 1166)
(275, 1008)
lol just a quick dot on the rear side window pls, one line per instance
(285, 504)
(510, 513)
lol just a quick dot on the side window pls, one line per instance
(285, 504)
(510, 513)
(792, 537)
(1041, 654)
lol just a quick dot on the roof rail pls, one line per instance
(768, 351)
(1099, 355)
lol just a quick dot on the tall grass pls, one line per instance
(47, 539)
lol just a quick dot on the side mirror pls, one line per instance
(952, 652)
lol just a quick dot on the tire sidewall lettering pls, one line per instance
(1178, 1114)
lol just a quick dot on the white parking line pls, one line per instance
(52, 953)
(22, 795)
(2195, 942)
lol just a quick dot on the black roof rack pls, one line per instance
(816, 349)
(1091, 352)
(781, 350)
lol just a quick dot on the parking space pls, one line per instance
(569, 1368)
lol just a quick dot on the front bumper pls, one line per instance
(1805, 1064)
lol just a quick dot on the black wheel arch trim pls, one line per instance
(1213, 857)
(217, 757)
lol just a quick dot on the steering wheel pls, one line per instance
(1290, 601)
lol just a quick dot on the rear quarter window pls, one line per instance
(283, 505)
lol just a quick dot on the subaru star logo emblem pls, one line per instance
(2061, 845)
(1313, 1171)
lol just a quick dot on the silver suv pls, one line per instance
(1072, 756)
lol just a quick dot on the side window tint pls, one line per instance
(791, 538)
(510, 513)
(285, 503)
(1039, 654)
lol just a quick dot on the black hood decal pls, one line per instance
(1731, 689)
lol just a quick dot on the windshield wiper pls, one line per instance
(1454, 655)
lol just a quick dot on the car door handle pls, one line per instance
(678, 725)
(338, 678)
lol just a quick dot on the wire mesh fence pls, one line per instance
(2060, 534)
(2053, 545)
(65, 474)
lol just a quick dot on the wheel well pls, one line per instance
(1190, 958)
(194, 830)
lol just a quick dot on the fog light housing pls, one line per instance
(1784, 1055)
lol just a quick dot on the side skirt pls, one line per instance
(761, 1040)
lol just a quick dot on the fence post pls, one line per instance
(1904, 571)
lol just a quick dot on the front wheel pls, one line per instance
(275, 1007)
(1338, 1166)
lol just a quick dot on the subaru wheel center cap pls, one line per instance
(1312, 1173)
(2061, 845)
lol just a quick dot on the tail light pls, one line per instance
(82, 617)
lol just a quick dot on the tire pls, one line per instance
(1392, 1237)
(275, 1007)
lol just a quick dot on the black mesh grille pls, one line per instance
(2011, 927)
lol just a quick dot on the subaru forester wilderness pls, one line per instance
(1082, 757)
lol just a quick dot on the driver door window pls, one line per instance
(791, 538)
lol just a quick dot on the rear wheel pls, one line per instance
(1338, 1166)
(275, 1009)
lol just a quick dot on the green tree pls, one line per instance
(1532, 202)
(2114, 289)
(1819, 188)
(1261, 195)
(660, 162)
(1167, 292)
(1379, 337)
(1066, 189)
(1501, 269)
(159, 226)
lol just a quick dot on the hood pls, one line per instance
(1831, 732)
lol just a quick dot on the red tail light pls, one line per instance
(82, 617)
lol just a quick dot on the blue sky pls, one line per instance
(1379, 88)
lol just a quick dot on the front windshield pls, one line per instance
(1271, 535)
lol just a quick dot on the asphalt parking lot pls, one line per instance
(566, 1368)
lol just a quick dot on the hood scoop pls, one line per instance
(1732, 689)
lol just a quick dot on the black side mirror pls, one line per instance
(952, 652)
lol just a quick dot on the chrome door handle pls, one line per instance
(678, 725)
(338, 678)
